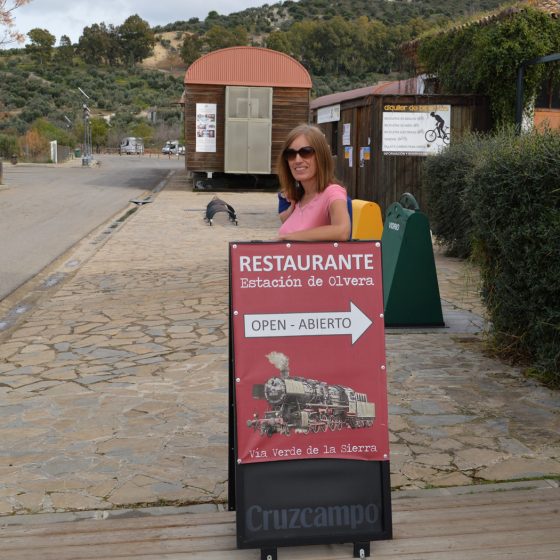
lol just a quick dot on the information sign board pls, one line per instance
(328, 114)
(415, 130)
(205, 127)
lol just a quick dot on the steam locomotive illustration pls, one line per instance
(308, 405)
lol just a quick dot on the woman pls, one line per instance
(318, 205)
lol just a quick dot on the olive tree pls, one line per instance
(136, 39)
(41, 45)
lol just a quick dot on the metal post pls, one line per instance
(84, 149)
(87, 155)
(84, 155)
(519, 98)
(90, 141)
(86, 159)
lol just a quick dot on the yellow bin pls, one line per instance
(367, 222)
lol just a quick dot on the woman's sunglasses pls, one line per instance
(306, 152)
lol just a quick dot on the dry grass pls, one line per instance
(164, 58)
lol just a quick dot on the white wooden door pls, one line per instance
(248, 132)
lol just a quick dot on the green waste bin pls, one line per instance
(410, 285)
(77, 152)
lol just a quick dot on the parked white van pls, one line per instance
(131, 145)
(173, 147)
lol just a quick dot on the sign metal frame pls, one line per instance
(302, 500)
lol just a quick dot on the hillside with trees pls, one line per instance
(343, 45)
(41, 98)
(282, 15)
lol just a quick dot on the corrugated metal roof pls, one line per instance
(382, 88)
(339, 97)
(248, 66)
(399, 87)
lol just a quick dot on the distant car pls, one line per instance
(173, 147)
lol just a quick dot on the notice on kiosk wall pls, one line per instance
(308, 351)
(412, 130)
(206, 127)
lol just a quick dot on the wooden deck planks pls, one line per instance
(517, 524)
(441, 502)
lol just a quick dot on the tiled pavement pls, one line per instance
(113, 379)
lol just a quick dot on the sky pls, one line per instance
(69, 17)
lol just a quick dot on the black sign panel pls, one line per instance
(317, 501)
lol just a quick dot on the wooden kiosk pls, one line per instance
(240, 103)
(355, 124)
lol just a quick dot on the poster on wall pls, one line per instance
(415, 130)
(206, 127)
(346, 134)
(328, 114)
(349, 155)
(365, 155)
(309, 347)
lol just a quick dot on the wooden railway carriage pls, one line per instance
(240, 103)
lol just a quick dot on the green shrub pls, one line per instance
(444, 182)
(52, 132)
(8, 145)
(497, 198)
(514, 198)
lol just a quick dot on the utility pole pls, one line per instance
(87, 156)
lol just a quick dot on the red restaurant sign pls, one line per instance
(308, 351)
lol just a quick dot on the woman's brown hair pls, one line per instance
(325, 163)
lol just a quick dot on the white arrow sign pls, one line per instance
(354, 322)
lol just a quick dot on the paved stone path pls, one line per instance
(113, 383)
